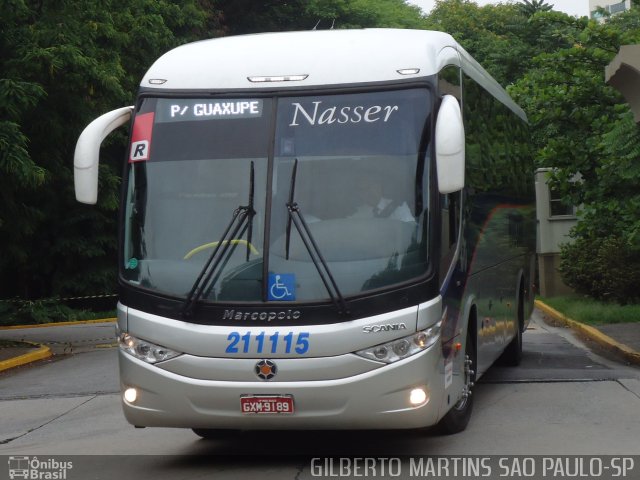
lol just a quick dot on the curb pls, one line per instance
(595, 335)
(44, 351)
(40, 354)
(58, 324)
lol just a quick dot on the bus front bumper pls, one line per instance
(377, 399)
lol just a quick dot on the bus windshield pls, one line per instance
(361, 187)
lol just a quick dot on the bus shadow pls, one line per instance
(251, 454)
(276, 451)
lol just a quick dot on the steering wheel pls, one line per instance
(234, 241)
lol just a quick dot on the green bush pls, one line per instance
(20, 312)
(604, 268)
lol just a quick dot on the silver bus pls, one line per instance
(318, 230)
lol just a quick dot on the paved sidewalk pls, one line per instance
(7, 353)
(11, 352)
(53, 339)
(14, 356)
(620, 339)
(625, 333)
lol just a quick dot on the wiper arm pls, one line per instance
(241, 222)
(223, 246)
(252, 212)
(292, 189)
(296, 217)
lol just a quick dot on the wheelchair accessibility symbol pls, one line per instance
(282, 287)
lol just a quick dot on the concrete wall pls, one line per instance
(623, 73)
(612, 6)
(553, 230)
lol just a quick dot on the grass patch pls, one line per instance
(593, 312)
(44, 311)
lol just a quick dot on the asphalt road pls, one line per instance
(562, 400)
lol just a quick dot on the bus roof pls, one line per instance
(314, 58)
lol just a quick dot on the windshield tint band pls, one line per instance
(236, 313)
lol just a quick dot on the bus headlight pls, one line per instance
(143, 350)
(404, 347)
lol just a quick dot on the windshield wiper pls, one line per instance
(241, 222)
(252, 211)
(296, 217)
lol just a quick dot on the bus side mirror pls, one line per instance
(449, 141)
(87, 155)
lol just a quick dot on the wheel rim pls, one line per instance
(468, 383)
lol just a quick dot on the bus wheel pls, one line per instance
(512, 355)
(457, 418)
(214, 434)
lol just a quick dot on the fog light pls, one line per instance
(418, 396)
(131, 395)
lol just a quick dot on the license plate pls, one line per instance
(266, 404)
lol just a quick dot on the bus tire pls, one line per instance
(512, 355)
(457, 418)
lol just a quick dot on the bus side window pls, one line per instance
(450, 227)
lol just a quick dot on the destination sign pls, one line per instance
(188, 110)
(327, 115)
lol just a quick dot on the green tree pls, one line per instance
(365, 13)
(572, 111)
(554, 66)
(63, 63)
(531, 7)
(495, 35)
(582, 127)
(251, 16)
